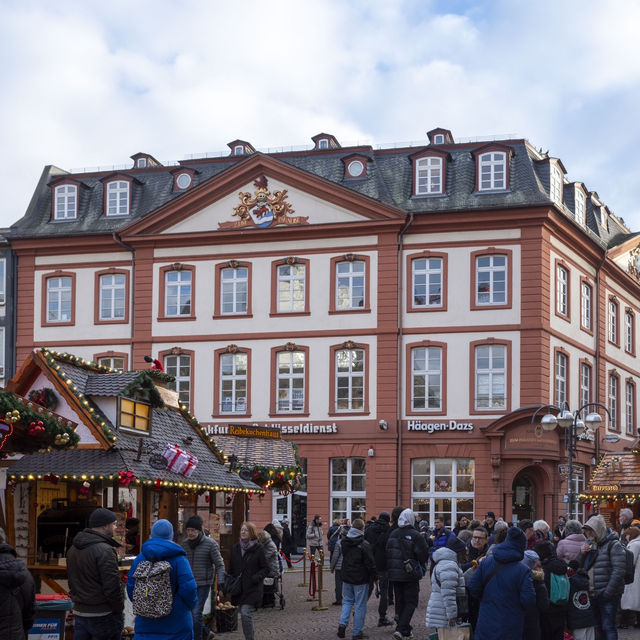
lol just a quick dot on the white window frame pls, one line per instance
(613, 402)
(580, 206)
(178, 286)
(66, 202)
(323, 143)
(351, 285)
(117, 198)
(585, 384)
(433, 275)
(141, 163)
(59, 294)
(578, 488)
(555, 185)
(428, 176)
(492, 375)
(238, 150)
(290, 383)
(291, 287)
(431, 374)
(438, 138)
(492, 270)
(562, 290)
(560, 376)
(435, 491)
(175, 365)
(3, 281)
(238, 395)
(110, 309)
(234, 283)
(629, 331)
(612, 322)
(492, 171)
(350, 380)
(112, 362)
(630, 406)
(585, 305)
(354, 493)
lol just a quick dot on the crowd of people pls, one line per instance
(501, 580)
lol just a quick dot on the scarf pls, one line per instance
(194, 543)
(245, 546)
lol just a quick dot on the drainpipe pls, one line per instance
(596, 334)
(117, 239)
(399, 402)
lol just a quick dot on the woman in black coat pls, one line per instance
(288, 546)
(248, 561)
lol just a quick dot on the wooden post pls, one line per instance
(238, 515)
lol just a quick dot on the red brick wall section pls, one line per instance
(143, 310)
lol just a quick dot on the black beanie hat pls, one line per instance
(101, 517)
(455, 544)
(384, 515)
(194, 522)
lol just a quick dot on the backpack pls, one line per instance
(558, 589)
(629, 567)
(152, 593)
(412, 567)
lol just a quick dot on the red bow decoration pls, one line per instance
(52, 478)
(207, 498)
(125, 478)
(36, 428)
(158, 484)
(84, 489)
(250, 495)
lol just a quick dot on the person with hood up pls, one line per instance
(569, 546)
(605, 561)
(248, 561)
(17, 604)
(504, 587)
(205, 559)
(631, 596)
(358, 571)
(178, 625)
(275, 532)
(271, 558)
(335, 564)
(552, 623)
(405, 543)
(377, 536)
(446, 579)
(94, 581)
(533, 614)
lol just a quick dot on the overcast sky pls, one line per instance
(88, 84)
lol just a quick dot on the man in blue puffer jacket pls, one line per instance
(504, 587)
(178, 625)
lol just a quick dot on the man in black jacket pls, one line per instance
(358, 571)
(94, 582)
(17, 593)
(377, 535)
(405, 544)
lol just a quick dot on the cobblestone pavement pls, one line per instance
(298, 620)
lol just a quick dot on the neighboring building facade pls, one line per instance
(7, 310)
(399, 313)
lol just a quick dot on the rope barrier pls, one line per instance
(312, 579)
(292, 561)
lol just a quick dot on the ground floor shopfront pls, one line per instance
(439, 467)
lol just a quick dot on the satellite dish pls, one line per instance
(245, 474)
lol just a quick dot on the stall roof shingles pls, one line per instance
(626, 472)
(255, 451)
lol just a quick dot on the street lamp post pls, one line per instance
(572, 421)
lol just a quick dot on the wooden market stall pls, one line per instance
(138, 452)
(614, 485)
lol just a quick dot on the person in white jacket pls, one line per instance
(446, 579)
(631, 597)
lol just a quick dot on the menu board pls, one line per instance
(214, 526)
(119, 535)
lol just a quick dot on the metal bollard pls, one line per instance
(319, 606)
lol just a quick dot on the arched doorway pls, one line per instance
(525, 492)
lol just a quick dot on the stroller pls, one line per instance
(273, 588)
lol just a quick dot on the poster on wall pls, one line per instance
(214, 526)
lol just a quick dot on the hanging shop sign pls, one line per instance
(253, 431)
(607, 488)
(431, 427)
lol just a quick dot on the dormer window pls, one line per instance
(117, 203)
(183, 181)
(438, 138)
(355, 166)
(580, 205)
(238, 150)
(66, 202)
(603, 216)
(556, 185)
(492, 168)
(323, 143)
(134, 415)
(428, 178)
(141, 163)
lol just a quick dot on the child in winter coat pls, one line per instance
(446, 579)
(580, 617)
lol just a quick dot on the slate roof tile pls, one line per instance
(250, 452)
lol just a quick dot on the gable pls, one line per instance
(265, 203)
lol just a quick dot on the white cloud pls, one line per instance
(87, 84)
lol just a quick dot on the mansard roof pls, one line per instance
(388, 181)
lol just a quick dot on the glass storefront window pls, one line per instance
(348, 487)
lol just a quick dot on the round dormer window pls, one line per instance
(183, 181)
(355, 168)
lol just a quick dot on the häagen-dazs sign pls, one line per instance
(432, 427)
